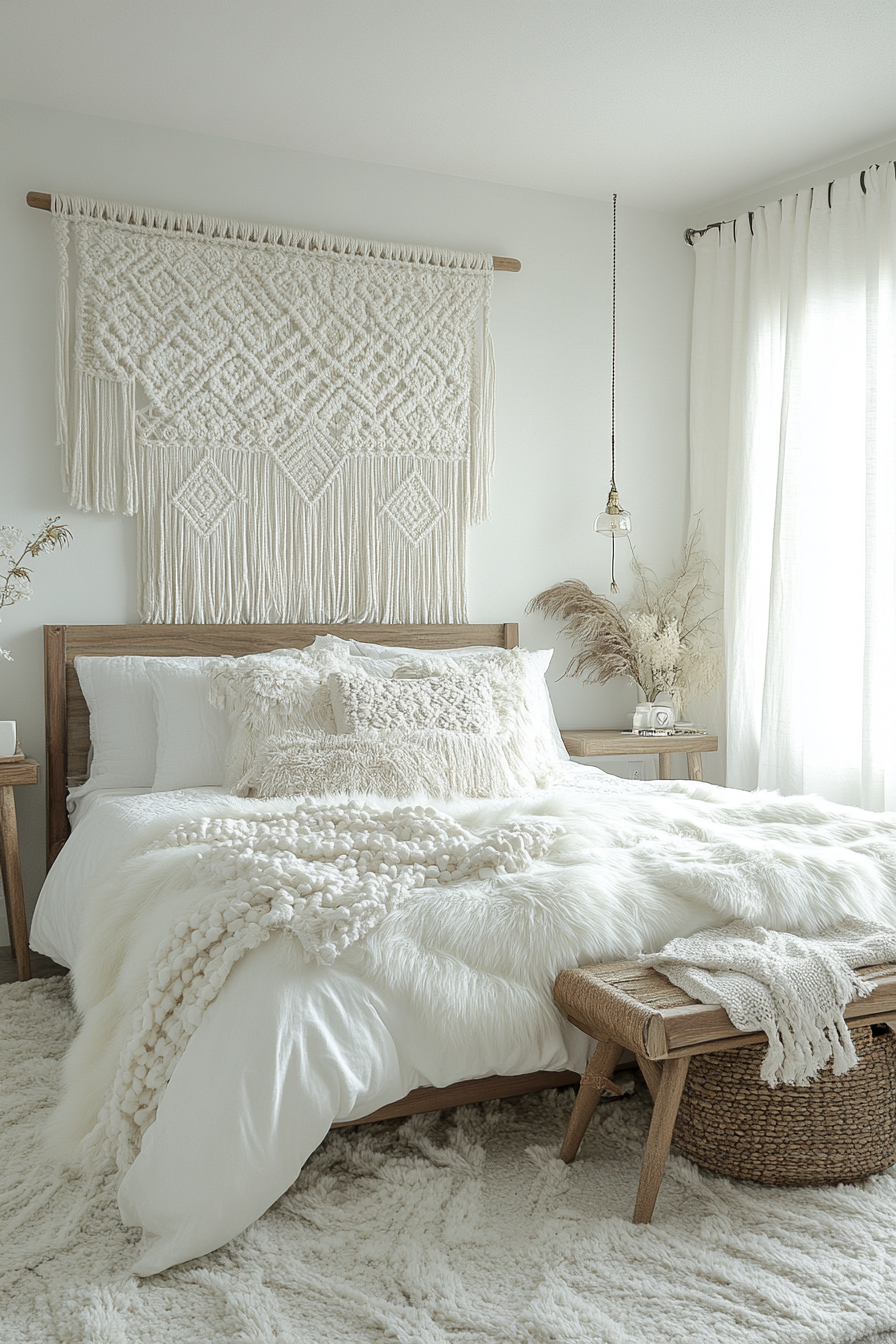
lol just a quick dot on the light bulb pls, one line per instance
(614, 521)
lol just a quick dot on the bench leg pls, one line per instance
(651, 1072)
(695, 765)
(656, 1150)
(598, 1073)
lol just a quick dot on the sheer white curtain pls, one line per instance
(793, 469)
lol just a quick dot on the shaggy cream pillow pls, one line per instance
(429, 763)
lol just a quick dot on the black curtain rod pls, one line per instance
(691, 234)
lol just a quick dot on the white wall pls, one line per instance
(551, 331)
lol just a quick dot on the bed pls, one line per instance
(446, 1000)
(68, 751)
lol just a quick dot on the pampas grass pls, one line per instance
(666, 639)
(595, 628)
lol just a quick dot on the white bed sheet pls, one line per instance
(279, 1056)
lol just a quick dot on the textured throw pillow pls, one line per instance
(538, 697)
(429, 764)
(451, 702)
(511, 675)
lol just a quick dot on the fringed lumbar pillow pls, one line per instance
(430, 764)
(516, 679)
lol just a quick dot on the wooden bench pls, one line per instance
(624, 1005)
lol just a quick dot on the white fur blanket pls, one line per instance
(623, 872)
(326, 874)
(794, 989)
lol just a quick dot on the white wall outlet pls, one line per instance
(637, 768)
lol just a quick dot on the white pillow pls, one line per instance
(451, 702)
(540, 702)
(122, 722)
(193, 734)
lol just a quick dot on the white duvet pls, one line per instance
(455, 983)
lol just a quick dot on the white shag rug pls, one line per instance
(458, 1228)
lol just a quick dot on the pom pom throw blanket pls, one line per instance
(520, 890)
(301, 422)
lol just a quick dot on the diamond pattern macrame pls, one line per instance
(306, 417)
(205, 498)
(414, 508)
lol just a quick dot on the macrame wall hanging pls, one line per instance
(301, 422)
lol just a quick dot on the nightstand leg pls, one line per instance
(11, 874)
(695, 765)
(664, 765)
(598, 1072)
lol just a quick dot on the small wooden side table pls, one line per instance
(613, 742)
(12, 773)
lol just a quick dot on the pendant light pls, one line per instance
(614, 521)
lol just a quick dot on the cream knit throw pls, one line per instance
(302, 422)
(794, 989)
(327, 875)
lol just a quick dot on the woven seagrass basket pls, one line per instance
(835, 1130)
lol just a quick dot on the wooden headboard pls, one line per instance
(68, 723)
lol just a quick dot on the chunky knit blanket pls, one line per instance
(325, 874)
(794, 989)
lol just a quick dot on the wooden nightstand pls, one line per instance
(612, 742)
(13, 773)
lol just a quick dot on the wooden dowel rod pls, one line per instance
(40, 200)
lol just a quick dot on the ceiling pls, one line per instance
(675, 106)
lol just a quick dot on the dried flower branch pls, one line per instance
(666, 639)
(15, 548)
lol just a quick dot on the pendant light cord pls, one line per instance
(613, 365)
(614, 587)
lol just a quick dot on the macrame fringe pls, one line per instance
(99, 457)
(63, 346)
(233, 230)
(263, 561)
(481, 459)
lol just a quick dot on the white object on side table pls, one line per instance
(653, 716)
(8, 737)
